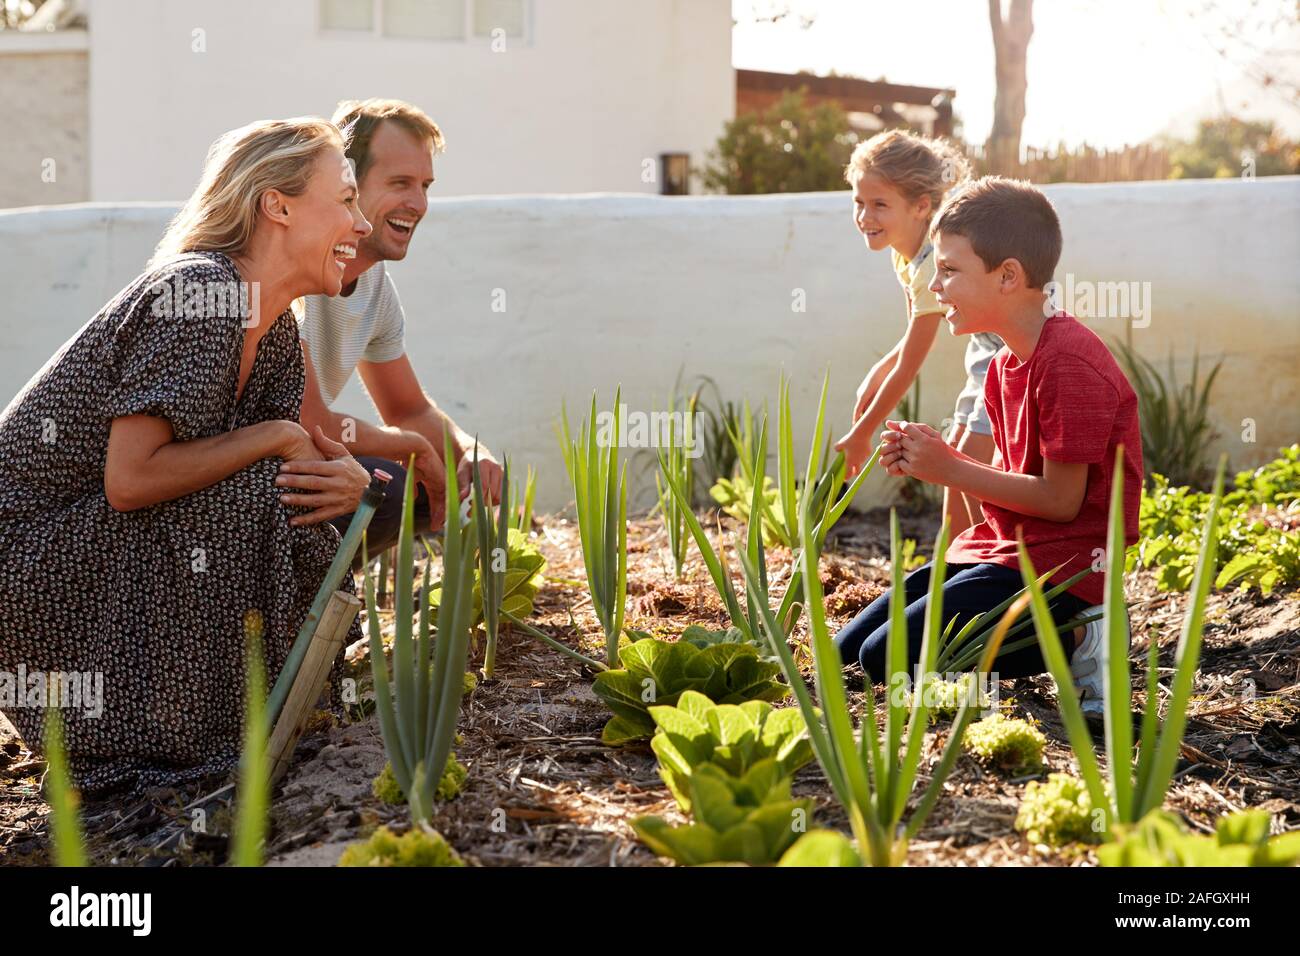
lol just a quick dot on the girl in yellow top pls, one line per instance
(899, 180)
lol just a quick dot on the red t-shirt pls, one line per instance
(1070, 403)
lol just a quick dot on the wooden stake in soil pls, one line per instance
(312, 678)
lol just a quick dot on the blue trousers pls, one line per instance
(968, 590)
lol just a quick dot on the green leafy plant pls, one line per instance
(1006, 743)
(1130, 796)
(490, 575)
(1057, 811)
(946, 696)
(821, 848)
(1257, 544)
(1174, 418)
(749, 818)
(600, 494)
(419, 846)
(733, 737)
(826, 505)
(386, 788)
(677, 466)
(703, 637)
(873, 778)
(718, 422)
(419, 708)
(659, 672)
(1239, 839)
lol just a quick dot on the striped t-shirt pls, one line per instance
(343, 330)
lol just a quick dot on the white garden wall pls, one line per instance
(603, 289)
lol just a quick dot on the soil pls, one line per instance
(543, 790)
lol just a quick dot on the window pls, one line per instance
(451, 20)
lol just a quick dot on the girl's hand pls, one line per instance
(856, 445)
(866, 395)
(335, 479)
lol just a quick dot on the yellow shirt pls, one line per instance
(916, 280)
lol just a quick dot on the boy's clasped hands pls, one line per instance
(915, 450)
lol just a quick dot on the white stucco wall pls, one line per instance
(595, 90)
(602, 290)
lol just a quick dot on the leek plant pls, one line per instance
(600, 495)
(418, 708)
(825, 504)
(676, 466)
(521, 510)
(491, 531)
(1126, 795)
(874, 774)
(254, 789)
(65, 821)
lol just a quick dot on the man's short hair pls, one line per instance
(1004, 219)
(361, 118)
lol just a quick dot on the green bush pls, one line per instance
(420, 846)
(1004, 743)
(1057, 812)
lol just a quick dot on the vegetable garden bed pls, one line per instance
(542, 789)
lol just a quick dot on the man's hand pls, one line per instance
(430, 474)
(856, 445)
(335, 479)
(489, 472)
(916, 450)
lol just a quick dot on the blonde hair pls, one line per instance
(914, 165)
(360, 119)
(242, 165)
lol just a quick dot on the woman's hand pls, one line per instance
(333, 477)
(866, 395)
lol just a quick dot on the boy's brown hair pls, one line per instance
(362, 117)
(1005, 219)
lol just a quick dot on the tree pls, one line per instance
(1010, 55)
(789, 147)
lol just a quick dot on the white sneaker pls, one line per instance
(1089, 662)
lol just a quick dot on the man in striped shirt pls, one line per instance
(363, 328)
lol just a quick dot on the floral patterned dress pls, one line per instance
(148, 605)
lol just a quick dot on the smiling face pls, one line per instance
(886, 217)
(327, 223)
(973, 293)
(394, 190)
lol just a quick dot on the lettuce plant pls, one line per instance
(419, 707)
(733, 737)
(600, 495)
(750, 818)
(1239, 839)
(659, 672)
(1057, 811)
(1006, 743)
(1132, 793)
(419, 846)
(821, 848)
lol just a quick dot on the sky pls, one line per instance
(1104, 72)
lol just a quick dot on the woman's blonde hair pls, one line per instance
(914, 165)
(242, 165)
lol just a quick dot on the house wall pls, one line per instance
(606, 290)
(598, 89)
(43, 118)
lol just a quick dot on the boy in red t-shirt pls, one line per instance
(1060, 408)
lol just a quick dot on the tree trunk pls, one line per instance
(1010, 49)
